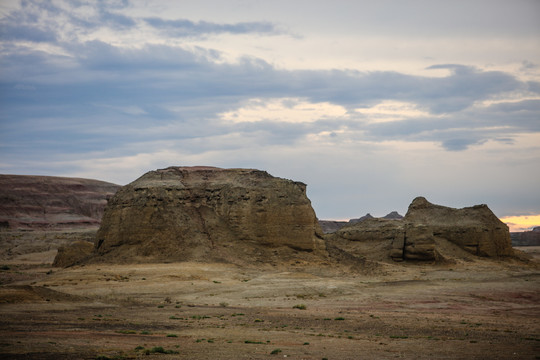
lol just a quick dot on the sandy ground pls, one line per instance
(481, 309)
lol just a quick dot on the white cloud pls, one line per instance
(291, 110)
(390, 110)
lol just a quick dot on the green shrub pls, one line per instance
(300, 307)
(275, 351)
(253, 342)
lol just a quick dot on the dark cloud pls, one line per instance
(100, 78)
(184, 27)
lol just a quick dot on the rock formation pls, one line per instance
(52, 203)
(474, 229)
(394, 215)
(526, 238)
(74, 253)
(330, 226)
(207, 213)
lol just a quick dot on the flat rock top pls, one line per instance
(203, 176)
(422, 210)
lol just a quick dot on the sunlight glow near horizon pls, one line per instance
(521, 223)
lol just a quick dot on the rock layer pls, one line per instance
(52, 203)
(203, 213)
(474, 229)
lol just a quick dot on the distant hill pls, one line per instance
(52, 203)
(526, 238)
(330, 226)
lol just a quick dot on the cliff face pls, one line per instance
(475, 229)
(426, 226)
(52, 203)
(203, 213)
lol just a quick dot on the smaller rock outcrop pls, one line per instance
(394, 215)
(73, 253)
(362, 218)
(425, 226)
(330, 226)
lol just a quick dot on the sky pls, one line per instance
(370, 103)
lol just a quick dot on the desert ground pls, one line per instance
(460, 309)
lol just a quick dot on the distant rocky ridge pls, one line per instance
(52, 203)
(208, 213)
(330, 226)
(426, 227)
(526, 238)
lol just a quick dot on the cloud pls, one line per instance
(171, 84)
(187, 28)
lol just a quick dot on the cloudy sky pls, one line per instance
(371, 103)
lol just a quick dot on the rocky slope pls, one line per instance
(207, 213)
(52, 203)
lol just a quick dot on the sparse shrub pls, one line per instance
(258, 320)
(160, 350)
(300, 307)
(139, 348)
(4, 267)
(223, 304)
(253, 342)
(275, 351)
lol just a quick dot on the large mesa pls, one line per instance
(209, 214)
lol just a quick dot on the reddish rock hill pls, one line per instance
(207, 213)
(52, 203)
